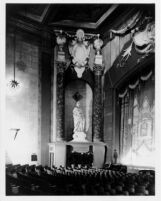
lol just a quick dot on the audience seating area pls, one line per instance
(39, 180)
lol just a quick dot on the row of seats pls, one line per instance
(39, 180)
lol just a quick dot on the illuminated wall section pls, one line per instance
(137, 136)
(22, 104)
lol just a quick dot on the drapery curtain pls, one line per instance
(137, 135)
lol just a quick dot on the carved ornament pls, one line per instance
(79, 49)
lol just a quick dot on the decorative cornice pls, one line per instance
(105, 15)
(34, 28)
(36, 17)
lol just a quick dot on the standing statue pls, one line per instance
(79, 123)
(79, 120)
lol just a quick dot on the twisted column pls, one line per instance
(61, 66)
(97, 115)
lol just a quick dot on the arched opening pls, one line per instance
(86, 101)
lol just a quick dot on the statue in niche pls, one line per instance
(79, 50)
(79, 120)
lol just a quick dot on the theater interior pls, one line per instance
(80, 99)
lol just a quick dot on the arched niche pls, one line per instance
(71, 75)
(86, 103)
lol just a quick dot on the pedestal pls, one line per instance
(79, 137)
(57, 152)
(61, 150)
(99, 154)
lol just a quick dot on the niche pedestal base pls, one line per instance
(79, 137)
(60, 152)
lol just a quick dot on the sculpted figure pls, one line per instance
(79, 124)
(79, 120)
(79, 50)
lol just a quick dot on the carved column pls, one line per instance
(61, 66)
(97, 115)
(98, 72)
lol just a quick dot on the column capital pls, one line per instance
(61, 66)
(98, 69)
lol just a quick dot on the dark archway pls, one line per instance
(84, 89)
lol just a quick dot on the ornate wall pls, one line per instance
(75, 75)
(44, 114)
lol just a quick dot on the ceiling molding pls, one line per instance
(72, 23)
(24, 25)
(105, 15)
(37, 17)
(44, 13)
(27, 26)
(117, 24)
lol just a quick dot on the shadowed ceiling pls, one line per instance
(93, 18)
(87, 13)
